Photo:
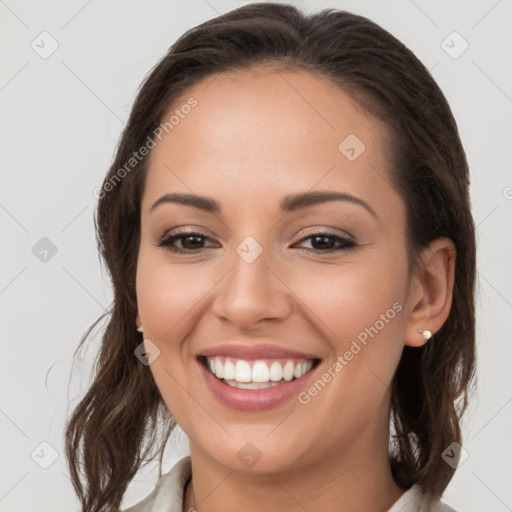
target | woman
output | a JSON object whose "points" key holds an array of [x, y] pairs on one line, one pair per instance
{"points": [[288, 230]]}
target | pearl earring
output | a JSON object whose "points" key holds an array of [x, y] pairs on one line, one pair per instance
{"points": [[426, 334], [139, 329]]}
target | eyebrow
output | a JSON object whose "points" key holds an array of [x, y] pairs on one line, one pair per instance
{"points": [[289, 203]]}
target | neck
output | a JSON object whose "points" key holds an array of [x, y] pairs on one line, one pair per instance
{"points": [[357, 480]]}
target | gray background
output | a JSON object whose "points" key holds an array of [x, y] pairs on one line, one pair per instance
{"points": [[61, 120]]}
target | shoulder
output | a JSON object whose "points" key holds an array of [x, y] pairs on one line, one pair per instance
{"points": [[167, 496], [416, 500]]}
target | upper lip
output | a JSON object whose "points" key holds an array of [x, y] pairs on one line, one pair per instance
{"points": [[250, 352]]}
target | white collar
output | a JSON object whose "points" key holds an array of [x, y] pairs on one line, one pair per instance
{"points": [[168, 494]]}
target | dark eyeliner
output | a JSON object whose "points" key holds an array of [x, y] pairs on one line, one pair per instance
{"points": [[166, 242], [345, 243]]}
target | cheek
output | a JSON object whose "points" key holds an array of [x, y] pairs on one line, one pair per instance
{"points": [[166, 295], [346, 299], [357, 309]]}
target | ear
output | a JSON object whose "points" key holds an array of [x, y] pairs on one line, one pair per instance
{"points": [[430, 292], [138, 323]]}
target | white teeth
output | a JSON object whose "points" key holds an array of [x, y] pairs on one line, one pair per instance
{"points": [[260, 372], [288, 371], [242, 371], [276, 372], [251, 385], [219, 372], [229, 370], [238, 371]]}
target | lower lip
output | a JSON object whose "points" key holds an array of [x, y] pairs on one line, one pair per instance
{"points": [[253, 399]]}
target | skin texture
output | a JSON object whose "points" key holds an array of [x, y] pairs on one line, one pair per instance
{"points": [[253, 138]]}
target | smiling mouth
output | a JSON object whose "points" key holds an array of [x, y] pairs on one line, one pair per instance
{"points": [[258, 373]]}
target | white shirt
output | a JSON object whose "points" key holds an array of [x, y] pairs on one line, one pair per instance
{"points": [[167, 496]]}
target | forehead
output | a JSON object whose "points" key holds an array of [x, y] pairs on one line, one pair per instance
{"points": [[265, 133]]}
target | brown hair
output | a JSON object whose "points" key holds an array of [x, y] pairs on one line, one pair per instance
{"points": [[113, 428]]}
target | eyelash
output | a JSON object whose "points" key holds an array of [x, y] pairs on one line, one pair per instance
{"points": [[167, 241]]}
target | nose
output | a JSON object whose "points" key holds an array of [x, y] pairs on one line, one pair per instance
{"points": [[252, 294]]}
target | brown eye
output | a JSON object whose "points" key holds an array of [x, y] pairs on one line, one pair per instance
{"points": [[326, 242], [190, 242]]}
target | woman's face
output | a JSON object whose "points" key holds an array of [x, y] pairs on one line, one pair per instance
{"points": [[257, 290]]}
